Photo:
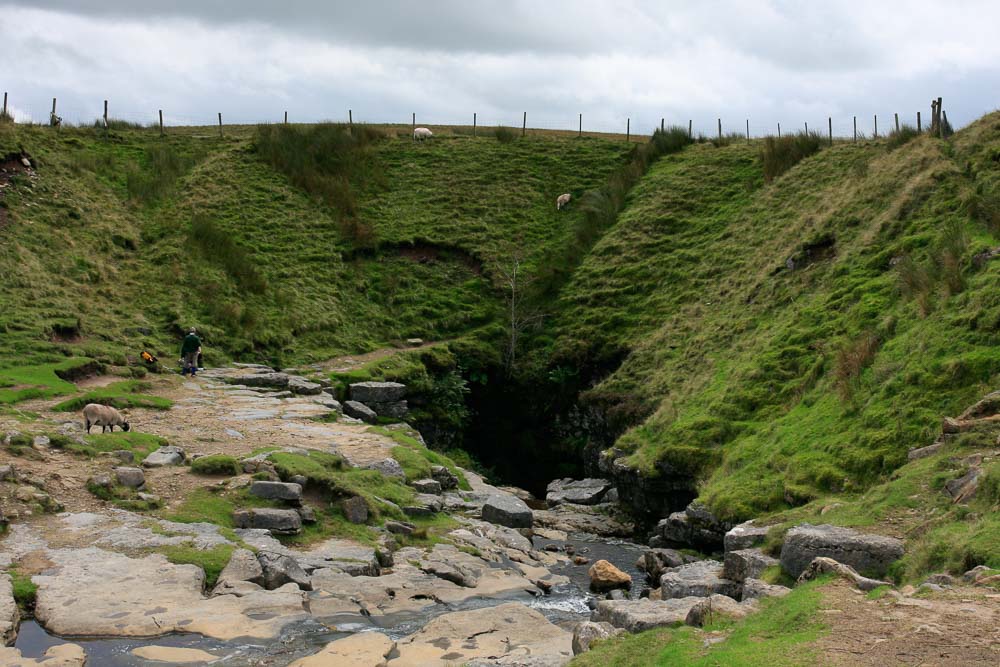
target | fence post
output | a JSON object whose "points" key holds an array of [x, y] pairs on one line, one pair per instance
{"points": [[689, 129], [875, 136], [220, 123], [286, 118], [628, 129], [918, 122], [105, 114], [807, 127], [524, 123], [897, 122], [473, 123], [661, 124], [5, 103], [414, 121], [161, 122], [940, 123], [779, 130], [580, 131], [829, 120], [855, 129], [720, 130], [748, 130], [350, 118]]}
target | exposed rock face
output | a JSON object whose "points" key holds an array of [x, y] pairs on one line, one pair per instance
{"points": [[604, 576], [63, 655], [377, 392], [823, 565], [865, 553], [9, 615], [360, 411], [424, 504], [355, 509], [587, 632], [281, 522], [427, 486], [745, 536], [696, 527], [639, 615], [444, 477], [656, 562], [572, 518], [269, 380], [647, 496], [394, 410], [279, 569], [130, 477], [709, 608], [164, 456], [507, 510], [364, 649], [964, 488], [581, 492], [755, 589], [243, 567], [303, 387], [173, 655], [746, 564], [700, 579], [388, 467], [277, 490]]}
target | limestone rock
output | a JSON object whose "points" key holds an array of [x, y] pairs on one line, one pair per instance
{"points": [[303, 387], [276, 490], [745, 564], [168, 455], [393, 410], [130, 477], [427, 486], [586, 632], [656, 562], [709, 608], [360, 411], [745, 536], [822, 565], [645, 614], [964, 488], [865, 553], [243, 566], [174, 655], [388, 467], [444, 477], [580, 492], [363, 649], [696, 526], [61, 655], [279, 569], [604, 576], [755, 589], [507, 510], [701, 579], [355, 509], [279, 521], [9, 615], [377, 392], [270, 380], [400, 527]]}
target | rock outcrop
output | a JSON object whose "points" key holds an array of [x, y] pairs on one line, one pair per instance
{"points": [[699, 579], [507, 510], [639, 615], [587, 632], [580, 492], [870, 554]]}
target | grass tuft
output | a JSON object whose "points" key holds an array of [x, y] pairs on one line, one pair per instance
{"points": [[216, 464], [779, 154]]}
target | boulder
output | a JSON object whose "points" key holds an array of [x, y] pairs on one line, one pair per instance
{"points": [[580, 492], [755, 589], [964, 488], [279, 569], [268, 380], [164, 456], [645, 614], [822, 565], [745, 564], [700, 579], [394, 410], [400, 527], [508, 510], [745, 536], [277, 490], [587, 632], [124, 455], [427, 486], [388, 467], [100, 480], [360, 411], [444, 477], [278, 521], [865, 553], [130, 477], [243, 566], [303, 387], [696, 527], [355, 509], [604, 576], [306, 513], [708, 609], [655, 562], [362, 649], [377, 392], [424, 504]]}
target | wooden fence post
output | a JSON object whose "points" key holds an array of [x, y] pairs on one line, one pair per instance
{"points": [[161, 122], [350, 118], [220, 123], [413, 121], [875, 136], [474, 123], [720, 130], [855, 129], [524, 123], [105, 114], [897, 122], [286, 118], [779, 130], [829, 121], [918, 122], [689, 129], [748, 130], [5, 103], [580, 130], [940, 117], [807, 127], [628, 129], [661, 124]]}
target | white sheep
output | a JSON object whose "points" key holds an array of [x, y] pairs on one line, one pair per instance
{"points": [[422, 133], [562, 200], [105, 416]]}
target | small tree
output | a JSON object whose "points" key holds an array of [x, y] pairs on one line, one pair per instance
{"points": [[520, 314]]}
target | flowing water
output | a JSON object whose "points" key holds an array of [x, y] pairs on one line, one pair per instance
{"points": [[565, 605]]}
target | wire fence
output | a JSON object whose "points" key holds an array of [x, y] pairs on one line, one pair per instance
{"points": [[840, 128]]}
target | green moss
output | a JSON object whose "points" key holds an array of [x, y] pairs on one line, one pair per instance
{"points": [[21, 383], [216, 464], [121, 395], [212, 561], [416, 459], [25, 590], [140, 444]]}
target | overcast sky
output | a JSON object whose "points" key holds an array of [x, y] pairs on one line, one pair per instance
{"points": [[773, 61]]}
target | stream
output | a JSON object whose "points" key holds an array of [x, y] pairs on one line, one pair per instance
{"points": [[565, 605]]}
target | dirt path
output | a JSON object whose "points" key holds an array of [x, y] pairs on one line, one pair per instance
{"points": [[957, 626]]}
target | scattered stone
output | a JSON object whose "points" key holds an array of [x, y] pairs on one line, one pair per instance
{"points": [[507, 510], [700, 579], [150, 498], [427, 486], [987, 406], [124, 455], [40, 442], [133, 478], [617, 594], [864, 553], [307, 514], [586, 632], [580, 560], [173, 655], [362, 649], [705, 611], [279, 569], [377, 392], [424, 504], [746, 564], [964, 488], [755, 589], [278, 521], [8, 473], [823, 565], [355, 509], [388, 467], [400, 527], [580, 492], [645, 614], [604, 576], [277, 490], [745, 536], [101, 481], [360, 411], [923, 452], [941, 579], [414, 342], [164, 456], [233, 433], [975, 574], [444, 477], [303, 387], [243, 566]]}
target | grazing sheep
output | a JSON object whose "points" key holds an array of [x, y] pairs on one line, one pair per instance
{"points": [[104, 416], [422, 133], [562, 200]]}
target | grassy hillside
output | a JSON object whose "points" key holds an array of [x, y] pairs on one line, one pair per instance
{"points": [[787, 341]]}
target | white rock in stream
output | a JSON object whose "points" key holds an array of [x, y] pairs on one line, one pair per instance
{"points": [[63, 655]]}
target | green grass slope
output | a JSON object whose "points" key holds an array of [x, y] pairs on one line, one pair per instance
{"points": [[786, 341]]}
